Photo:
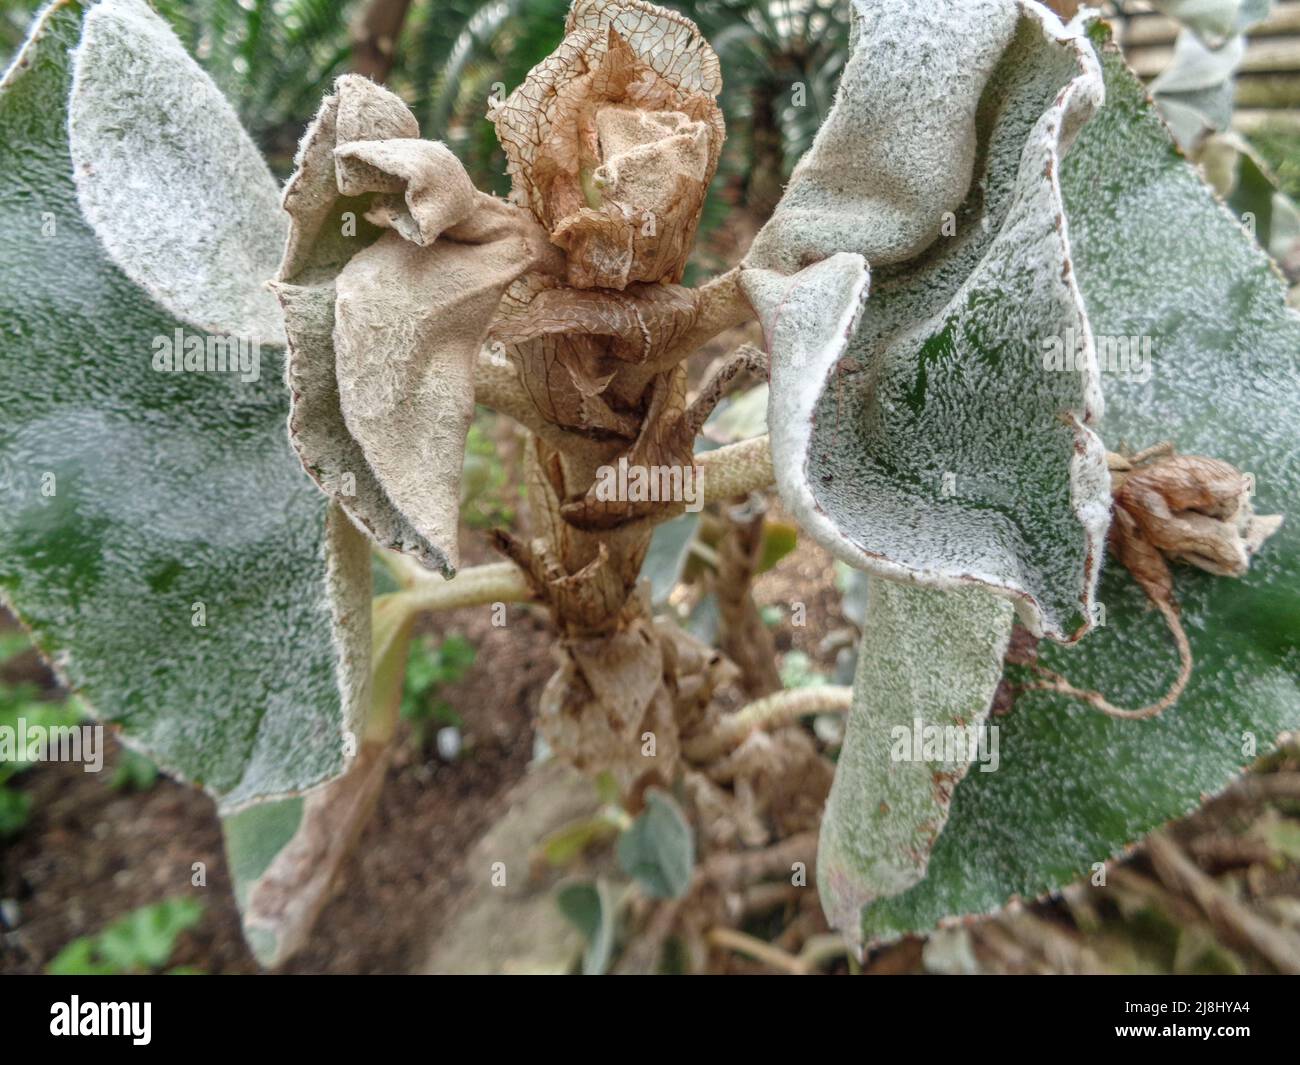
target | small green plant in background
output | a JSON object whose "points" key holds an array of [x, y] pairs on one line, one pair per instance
{"points": [[798, 670], [134, 772], [486, 496], [23, 702], [141, 942], [429, 668]]}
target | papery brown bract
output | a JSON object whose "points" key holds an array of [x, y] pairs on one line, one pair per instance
{"points": [[613, 139]]}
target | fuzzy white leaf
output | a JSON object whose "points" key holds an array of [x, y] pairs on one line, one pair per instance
{"points": [[174, 188], [929, 665], [936, 443]]}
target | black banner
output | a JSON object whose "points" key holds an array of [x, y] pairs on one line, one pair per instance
{"points": [[231, 1015]]}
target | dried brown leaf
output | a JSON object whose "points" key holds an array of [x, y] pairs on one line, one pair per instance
{"points": [[571, 346], [384, 328]]}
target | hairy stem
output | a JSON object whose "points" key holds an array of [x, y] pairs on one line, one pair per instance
{"points": [[495, 582], [772, 711], [737, 469]]}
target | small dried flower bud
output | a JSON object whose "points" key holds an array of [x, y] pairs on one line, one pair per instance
{"points": [[1140, 557], [613, 139], [1173, 506], [1195, 509]]}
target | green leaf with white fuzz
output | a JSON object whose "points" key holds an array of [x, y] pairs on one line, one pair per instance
{"points": [[156, 533], [658, 850], [1157, 257], [285, 856], [916, 434], [929, 665]]}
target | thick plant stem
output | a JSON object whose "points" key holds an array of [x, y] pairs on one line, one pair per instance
{"points": [[772, 711], [727, 472], [497, 386], [742, 635]]}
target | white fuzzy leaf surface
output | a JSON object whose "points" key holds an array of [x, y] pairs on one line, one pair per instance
{"points": [[932, 442], [172, 185], [930, 661]]}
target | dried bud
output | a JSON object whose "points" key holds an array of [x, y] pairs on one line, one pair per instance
{"points": [[1195, 509], [1181, 506], [613, 139]]}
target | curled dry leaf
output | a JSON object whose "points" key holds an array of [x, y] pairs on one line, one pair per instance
{"points": [[921, 434], [607, 701], [618, 704], [285, 856], [394, 267], [612, 141], [656, 476]]}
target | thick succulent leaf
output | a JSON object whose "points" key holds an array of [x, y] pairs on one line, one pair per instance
{"points": [[156, 533], [173, 187], [928, 444], [1158, 257], [890, 158], [929, 665]]}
